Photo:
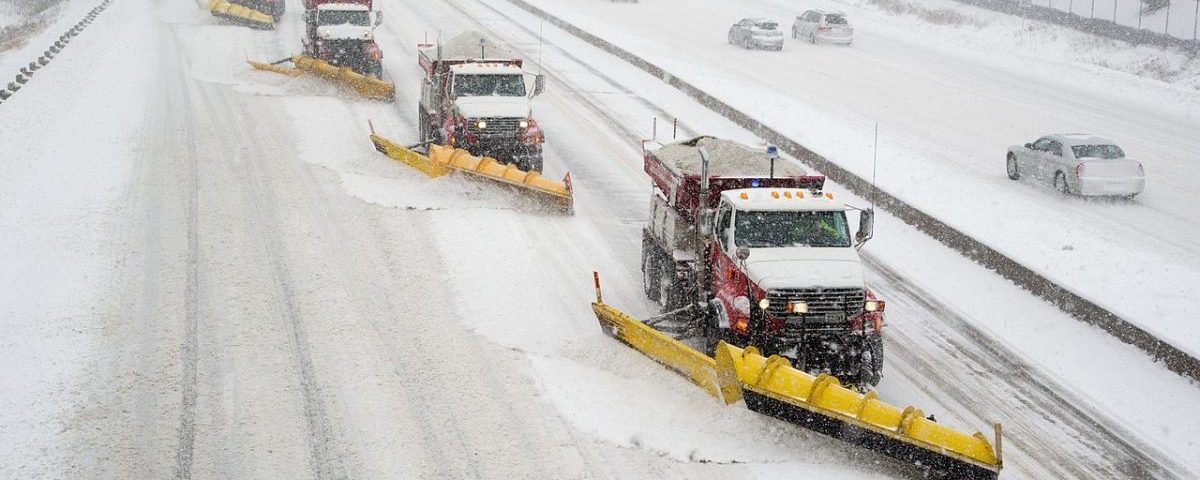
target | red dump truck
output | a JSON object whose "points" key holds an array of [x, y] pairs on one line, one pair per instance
{"points": [[342, 33], [746, 248], [477, 96]]}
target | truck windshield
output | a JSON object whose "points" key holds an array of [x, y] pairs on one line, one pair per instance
{"points": [[489, 86], [338, 17], [759, 229]]}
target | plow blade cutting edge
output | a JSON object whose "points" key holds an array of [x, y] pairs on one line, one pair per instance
{"points": [[771, 386], [239, 13], [443, 160], [365, 85]]}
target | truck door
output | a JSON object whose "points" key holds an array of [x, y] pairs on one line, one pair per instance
{"points": [[726, 275]]}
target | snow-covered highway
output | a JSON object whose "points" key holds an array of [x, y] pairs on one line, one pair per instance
{"points": [[214, 275]]}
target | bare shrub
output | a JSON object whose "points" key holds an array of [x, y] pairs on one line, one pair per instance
{"points": [[936, 16]]}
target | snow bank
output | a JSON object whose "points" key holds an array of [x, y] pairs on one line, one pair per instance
{"points": [[63, 182]]}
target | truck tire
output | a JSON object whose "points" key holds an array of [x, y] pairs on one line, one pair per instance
{"points": [[871, 364], [530, 159], [650, 276]]}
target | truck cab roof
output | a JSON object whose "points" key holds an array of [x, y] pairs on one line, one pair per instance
{"points": [[780, 199]]}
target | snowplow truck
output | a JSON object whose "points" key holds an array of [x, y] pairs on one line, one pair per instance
{"points": [[342, 33], [476, 96], [748, 249]]}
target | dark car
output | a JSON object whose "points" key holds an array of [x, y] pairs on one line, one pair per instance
{"points": [[756, 33]]}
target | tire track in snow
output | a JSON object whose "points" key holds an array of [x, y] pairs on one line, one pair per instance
{"points": [[263, 206], [187, 420], [260, 206]]}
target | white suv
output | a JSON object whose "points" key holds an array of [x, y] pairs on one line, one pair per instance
{"points": [[822, 26]]}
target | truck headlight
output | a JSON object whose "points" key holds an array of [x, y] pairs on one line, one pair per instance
{"points": [[873, 305], [798, 307], [524, 124], [764, 303], [482, 124]]}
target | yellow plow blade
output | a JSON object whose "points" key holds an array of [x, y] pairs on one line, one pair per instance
{"points": [[671, 353], [270, 67], [771, 386], [443, 160], [407, 156], [365, 85], [232, 11]]}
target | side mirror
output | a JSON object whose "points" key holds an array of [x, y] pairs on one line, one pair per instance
{"points": [[1029, 146], [378, 18], [866, 227], [743, 253], [539, 84]]}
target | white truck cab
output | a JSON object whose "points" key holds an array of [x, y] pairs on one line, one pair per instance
{"points": [[490, 90], [346, 21], [793, 238]]}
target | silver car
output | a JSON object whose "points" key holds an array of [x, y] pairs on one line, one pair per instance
{"points": [[1079, 164], [756, 33], [824, 27]]}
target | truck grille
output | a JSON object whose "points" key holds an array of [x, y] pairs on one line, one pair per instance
{"points": [[826, 306], [345, 49], [497, 127]]}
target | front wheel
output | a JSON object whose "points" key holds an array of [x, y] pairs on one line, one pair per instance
{"points": [[794, 35], [1060, 184], [529, 159], [812, 38], [1013, 174], [871, 368]]}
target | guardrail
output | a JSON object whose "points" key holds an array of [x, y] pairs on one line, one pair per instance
{"points": [[1069, 302], [26, 73]]}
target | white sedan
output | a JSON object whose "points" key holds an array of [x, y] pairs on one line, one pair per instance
{"points": [[1077, 163], [824, 27]]}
